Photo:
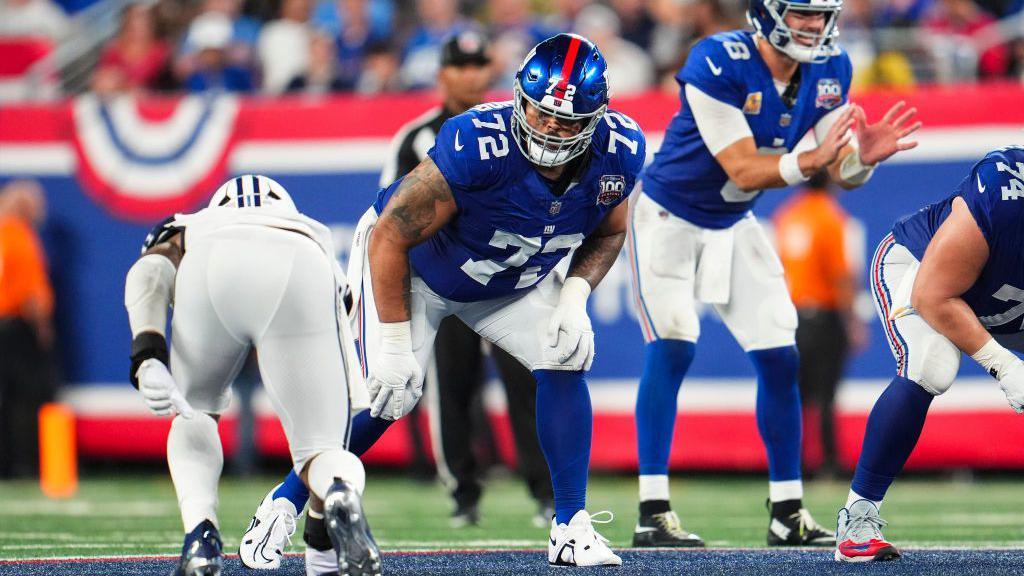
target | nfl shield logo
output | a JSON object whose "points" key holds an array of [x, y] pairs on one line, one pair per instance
{"points": [[830, 94], [612, 188], [555, 208]]}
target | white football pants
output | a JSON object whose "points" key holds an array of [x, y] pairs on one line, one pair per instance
{"points": [[256, 286]]}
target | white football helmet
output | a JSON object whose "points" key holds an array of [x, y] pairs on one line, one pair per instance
{"points": [[252, 191]]}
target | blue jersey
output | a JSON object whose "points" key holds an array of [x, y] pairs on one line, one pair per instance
{"points": [[684, 177], [994, 193], [511, 229]]}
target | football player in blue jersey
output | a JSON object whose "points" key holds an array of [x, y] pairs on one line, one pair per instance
{"points": [[478, 230], [760, 109], [947, 279]]}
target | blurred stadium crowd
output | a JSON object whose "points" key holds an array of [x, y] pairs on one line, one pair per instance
{"points": [[49, 48]]}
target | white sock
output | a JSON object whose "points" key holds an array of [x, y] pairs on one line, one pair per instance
{"points": [[853, 497], [326, 466], [786, 490], [195, 459], [653, 487]]}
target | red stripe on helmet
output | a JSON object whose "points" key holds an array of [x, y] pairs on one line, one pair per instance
{"points": [[570, 61]]}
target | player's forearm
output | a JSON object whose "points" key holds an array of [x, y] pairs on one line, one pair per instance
{"points": [[954, 319], [389, 270], [596, 256]]}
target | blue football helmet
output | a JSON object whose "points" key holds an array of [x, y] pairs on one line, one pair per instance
{"points": [[768, 19], [564, 76]]}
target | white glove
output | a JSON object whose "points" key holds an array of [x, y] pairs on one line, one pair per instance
{"points": [[395, 381], [159, 390], [1012, 383], [1005, 367], [569, 331]]}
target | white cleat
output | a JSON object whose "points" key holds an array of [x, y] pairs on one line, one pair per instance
{"points": [[578, 544], [321, 562], [269, 534]]}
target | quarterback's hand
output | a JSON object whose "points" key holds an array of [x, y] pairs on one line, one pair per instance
{"points": [[881, 140], [838, 135], [569, 331], [159, 390], [394, 369], [1012, 383]]}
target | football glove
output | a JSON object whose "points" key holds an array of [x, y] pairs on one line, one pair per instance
{"points": [[395, 381], [159, 390], [569, 330]]}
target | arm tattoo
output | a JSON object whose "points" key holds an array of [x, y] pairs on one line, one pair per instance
{"points": [[412, 207], [595, 257]]}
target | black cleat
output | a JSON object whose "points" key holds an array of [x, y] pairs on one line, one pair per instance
{"points": [[201, 555], [465, 515], [663, 530], [799, 529], [358, 554]]}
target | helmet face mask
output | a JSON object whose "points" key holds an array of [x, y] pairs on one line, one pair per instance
{"points": [[768, 17], [574, 92]]}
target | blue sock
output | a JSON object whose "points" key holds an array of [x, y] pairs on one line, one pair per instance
{"points": [[893, 428], [665, 365], [365, 432], [293, 490], [564, 425], [778, 410]]}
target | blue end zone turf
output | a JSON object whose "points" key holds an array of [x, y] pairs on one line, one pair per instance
{"points": [[974, 562]]}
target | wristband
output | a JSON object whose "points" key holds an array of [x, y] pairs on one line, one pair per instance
{"points": [[145, 346], [853, 172], [789, 169]]}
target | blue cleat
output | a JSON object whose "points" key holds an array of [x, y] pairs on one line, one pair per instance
{"points": [[201, 554], [358, 554]]}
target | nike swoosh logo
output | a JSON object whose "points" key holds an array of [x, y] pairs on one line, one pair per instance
{"points": [[458, 146], [644, 530], [714, 69], [980, 187]]}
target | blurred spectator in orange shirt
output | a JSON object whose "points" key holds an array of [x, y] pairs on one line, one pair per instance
{"points": [[811, 228], [136, 58], [26, 329]]}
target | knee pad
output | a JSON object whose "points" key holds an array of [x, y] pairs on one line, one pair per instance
{"points": [[933, 363], [341, 464]]}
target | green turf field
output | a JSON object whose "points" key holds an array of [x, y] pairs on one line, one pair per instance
{"points": [[138, 514]]}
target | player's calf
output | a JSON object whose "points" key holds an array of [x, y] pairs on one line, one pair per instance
{"points": [[201, 554], [859, 535]]}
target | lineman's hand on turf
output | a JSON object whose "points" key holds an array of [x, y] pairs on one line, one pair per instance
{"points": [[393, 372], [569, 331], [1012, 384], [159, 390]]}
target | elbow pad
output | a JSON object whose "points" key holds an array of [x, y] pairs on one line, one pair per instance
{"points": [[147, 293]]}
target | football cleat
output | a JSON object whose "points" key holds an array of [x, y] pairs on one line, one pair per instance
{"points": [[859, 535], [663, 530], [465, 515], [269, 534], [201, 555], [798, 529], [578, 544], [350, 535]]}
